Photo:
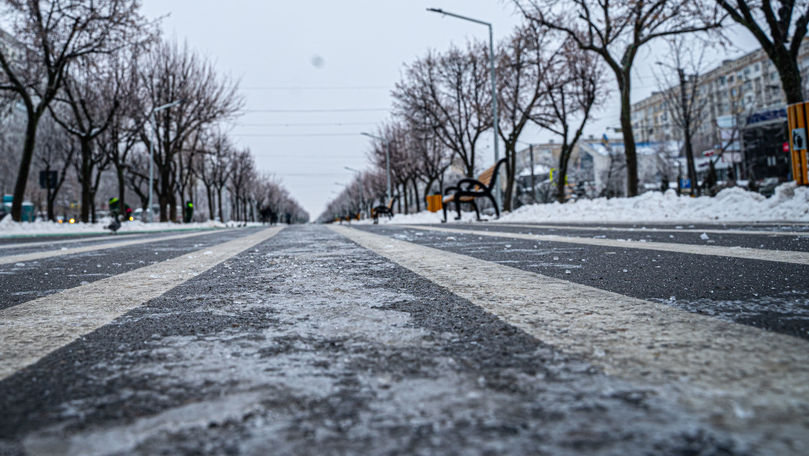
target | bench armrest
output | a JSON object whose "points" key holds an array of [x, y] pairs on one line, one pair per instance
{"points": [[470, 183]]}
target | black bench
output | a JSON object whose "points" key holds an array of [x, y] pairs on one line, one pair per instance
{"points": [[383, 210], [466, 190]]}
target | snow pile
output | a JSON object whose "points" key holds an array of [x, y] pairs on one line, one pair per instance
{"points": [[11, 228], [789, 203]]}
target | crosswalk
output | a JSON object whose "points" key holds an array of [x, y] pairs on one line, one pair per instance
{"points": [[747, 375], [41, 255], [35, 328], [781, 256], [742, 376]]}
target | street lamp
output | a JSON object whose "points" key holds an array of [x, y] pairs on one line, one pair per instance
{"points": [[151, 152], [387, 160], [493, 80], [355, 171]]}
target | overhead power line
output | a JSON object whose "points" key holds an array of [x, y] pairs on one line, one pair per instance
{"points": [[320, 110], [315, 88], [305, 124], [292, 135]]}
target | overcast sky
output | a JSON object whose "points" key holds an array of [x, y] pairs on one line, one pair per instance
{"points": [[322, 55]]}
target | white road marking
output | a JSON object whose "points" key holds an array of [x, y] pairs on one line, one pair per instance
{"points": [[33, 329], [739, 375], [780, 256], [661, 230], [21, 245], [22, 258]]}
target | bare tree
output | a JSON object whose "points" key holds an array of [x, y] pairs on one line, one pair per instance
{"points": [[55, 151], [123, 134], [616, 31], [241, 176], [575, 86], [89, 96], [53, 35], [681, 95], [780, 28], [523, 62], [174, 73], [450, 92]]}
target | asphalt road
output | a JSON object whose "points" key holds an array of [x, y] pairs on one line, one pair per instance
{"points": [[408, 340]]}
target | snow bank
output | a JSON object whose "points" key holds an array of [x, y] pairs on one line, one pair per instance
{"points": [[789, 203], [11, 228]]}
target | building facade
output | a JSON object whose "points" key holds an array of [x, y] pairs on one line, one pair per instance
{"points": [[743, 113]]}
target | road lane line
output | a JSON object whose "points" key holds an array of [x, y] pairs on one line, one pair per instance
{"points": [[659, 230], [780, 256], [35, 328], [22, 258], [22, 245], [744, 375]]}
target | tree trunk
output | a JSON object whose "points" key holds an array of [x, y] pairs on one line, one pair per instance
{"points": [[172, 207], [25, 166], [119, 172], [790, 75], [511, 169], [562, 174], [630, 151], [416, 194], [219, 203], [86, 171], [405, 195], [209, 194], [163, 194]]}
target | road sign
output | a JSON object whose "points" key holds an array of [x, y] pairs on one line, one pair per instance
{"points": [[797, 117], [47, 179], [799, 139]]}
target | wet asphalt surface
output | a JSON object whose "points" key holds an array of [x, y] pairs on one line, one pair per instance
{"points": [[679, 234], [309, 341], [310, 344], [26, 280], [764, 294]]}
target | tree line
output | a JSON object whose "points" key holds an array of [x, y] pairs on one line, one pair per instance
{"points": [[91, 91], [553, 71]]}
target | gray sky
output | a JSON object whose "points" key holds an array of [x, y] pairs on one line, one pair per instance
{"points": [[335, 55]]}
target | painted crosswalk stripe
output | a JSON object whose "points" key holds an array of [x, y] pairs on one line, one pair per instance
{"points": [[22, 258], [33, 329], [780, 256], [661, 230], [744, 375]]}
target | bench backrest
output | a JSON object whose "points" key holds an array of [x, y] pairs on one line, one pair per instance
{"points": [[486, 176]]}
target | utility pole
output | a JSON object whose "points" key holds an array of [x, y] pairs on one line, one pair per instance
{"points": [[533, 178], [493, 76]]}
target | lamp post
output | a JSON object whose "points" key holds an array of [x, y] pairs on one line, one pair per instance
{"points": [[387, 160], [497, 196], [151, 152]]}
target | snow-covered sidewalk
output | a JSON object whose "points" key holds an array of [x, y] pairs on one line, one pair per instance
{"points": [[789, 204], [10, 228]]}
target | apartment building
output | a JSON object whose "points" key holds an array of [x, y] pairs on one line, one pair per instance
{"points": [[743, 110]]}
